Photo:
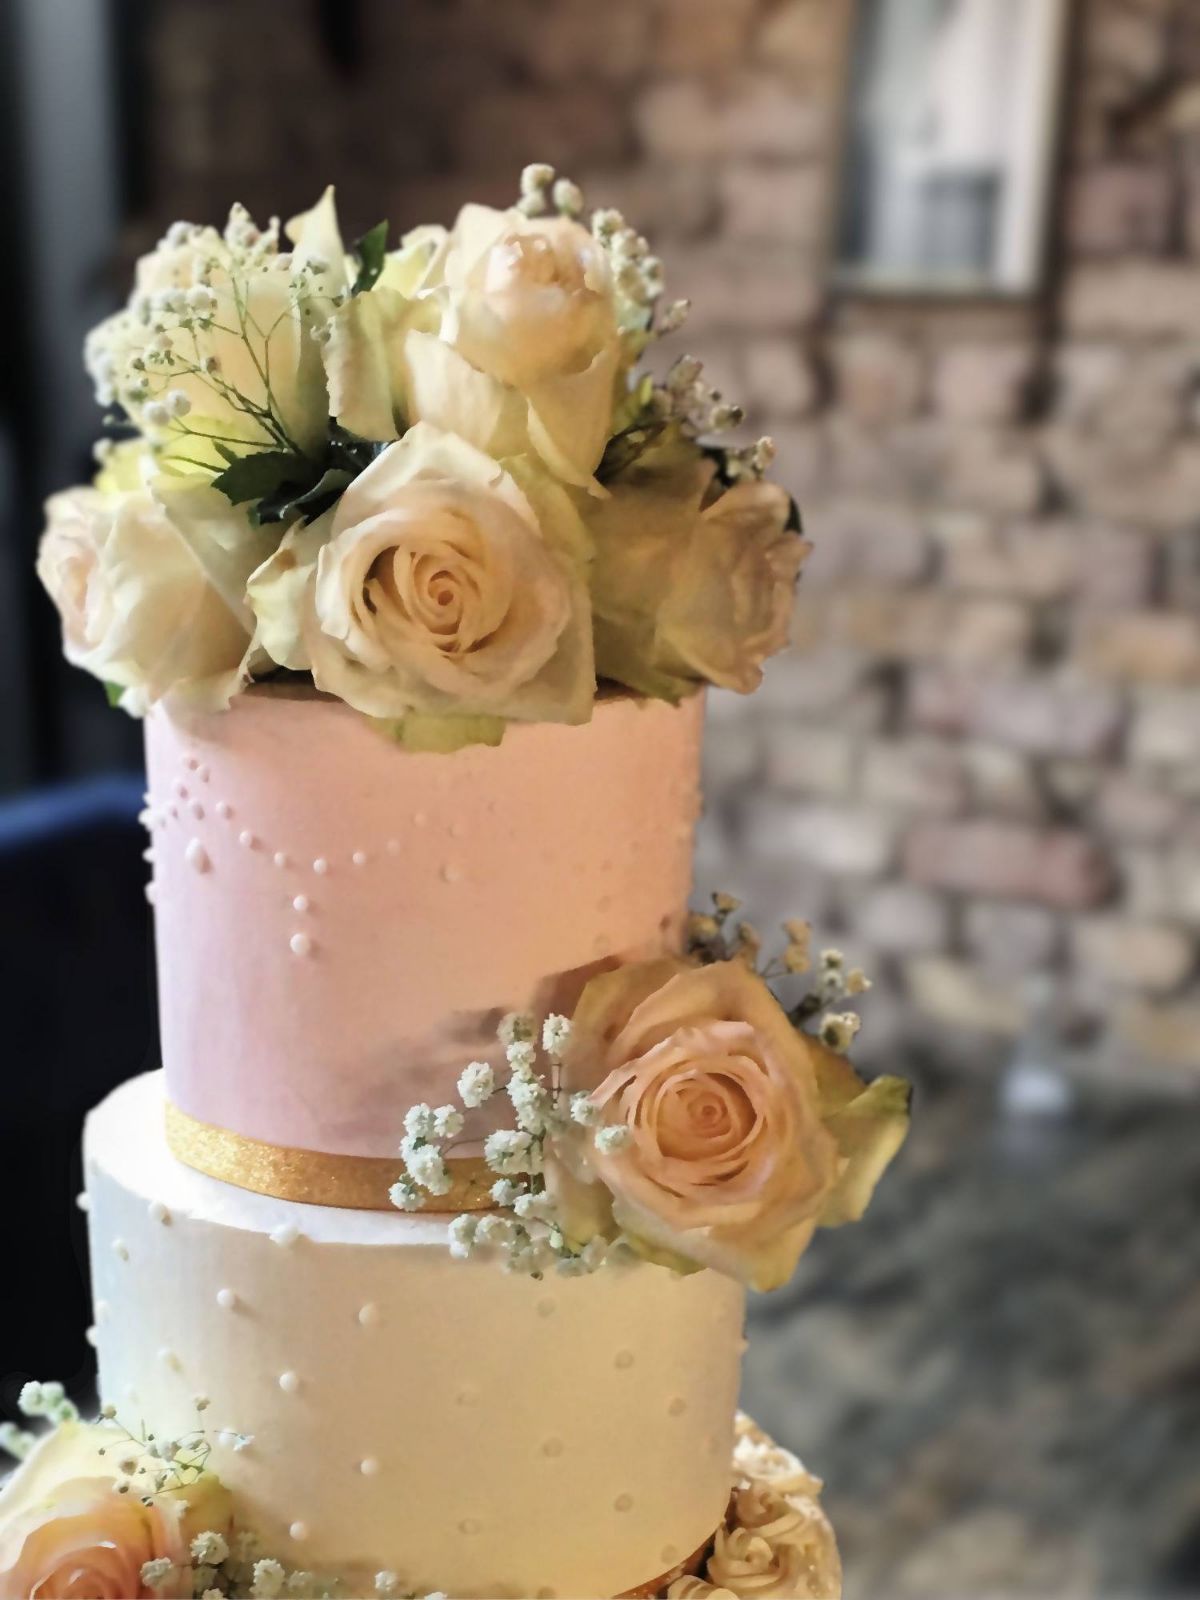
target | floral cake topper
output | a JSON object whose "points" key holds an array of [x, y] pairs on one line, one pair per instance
{"points": [[434, 480]]}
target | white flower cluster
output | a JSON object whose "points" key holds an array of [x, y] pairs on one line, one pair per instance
{"points": [[159, 360], [524, 1228], [48, 1400]]}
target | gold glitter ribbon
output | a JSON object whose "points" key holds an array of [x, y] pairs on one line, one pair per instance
{"points": [[314, 1177]]}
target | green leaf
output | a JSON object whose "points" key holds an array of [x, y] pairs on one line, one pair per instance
{"points": [[262, 473], [443, 735], [113, 693], [307, 504], [371, 251], [868, 1131]]}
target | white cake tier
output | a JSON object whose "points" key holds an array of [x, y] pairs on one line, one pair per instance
{"points": [[472, 1431], [342, 923]]}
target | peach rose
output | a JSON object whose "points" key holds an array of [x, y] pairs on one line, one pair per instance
{"points": [[726, 1161], [67, 1533]]}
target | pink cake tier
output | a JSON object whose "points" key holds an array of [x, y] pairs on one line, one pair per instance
{"points": [[341, 923]]}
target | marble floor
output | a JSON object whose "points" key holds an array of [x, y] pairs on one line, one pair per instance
{"points": [[998, 1371]]}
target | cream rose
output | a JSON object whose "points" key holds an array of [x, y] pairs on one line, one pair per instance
{"points": [[437, 586], [800, 1547], [776, 1550], [728, 1164], [150, 588], [66, 1533], [245, 321], [504, 331], [690, 584]]}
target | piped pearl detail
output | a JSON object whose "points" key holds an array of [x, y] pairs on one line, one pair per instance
{"points": [[168, 1357], [281, 858], [299, 1531], [120, 1249], [624, 1360], [368, 1315], [369, 1466], [470, 1525], [289, 1382], [248, 840], [227, 1299], [300, 944], [91, 1336], [83, 1200], [197, 856], [102, 1310], [151, 894], [320, 866], [623, 1502], [677, 1406], [285, 1234], [300, 903], [158, 1212], [197, 810], [224, 810], [359, 858], [451, 873], [419, 819]]}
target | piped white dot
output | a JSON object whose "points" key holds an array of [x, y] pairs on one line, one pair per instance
{"points": [[359, 858], [120, 1249], [158, 1212], [224, 810], [248, 840], [300, 944], [677, 1406], [300, 903], [320, 866], [227, 1299], [299, 1531], [181, 790], [103, 1310], [91, 1336], [151, 893], [190, 762], [623, 1502], [369, 1466], [624, 1360], [197, 810], [289, 1382], [451, 873], [368, 1315], [83, 1200], [168, 1358], [419, 819], [196, 856], [203, 774], [281, 858], [285, 1235]]}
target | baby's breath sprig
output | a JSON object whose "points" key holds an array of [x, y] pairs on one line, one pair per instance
{"points": [[718, 935], [524, 1228]]}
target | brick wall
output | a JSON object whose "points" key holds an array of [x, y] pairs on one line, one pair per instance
{"points": [[982, 761]]}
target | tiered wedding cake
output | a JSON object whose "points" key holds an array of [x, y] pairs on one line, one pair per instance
{"points": [[421, 1264]]}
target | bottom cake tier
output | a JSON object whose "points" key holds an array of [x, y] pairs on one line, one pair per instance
{"points": [[374, 1404]]}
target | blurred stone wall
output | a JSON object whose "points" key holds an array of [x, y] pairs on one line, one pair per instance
{"points": [[982, 761]]}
